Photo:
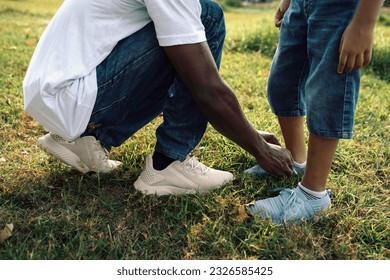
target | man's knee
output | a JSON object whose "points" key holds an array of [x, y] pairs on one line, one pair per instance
{"points": [[211, 6], [212, 10]]}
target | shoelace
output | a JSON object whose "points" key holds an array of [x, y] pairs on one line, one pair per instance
{"points": [[193, 163], [291, 200]]}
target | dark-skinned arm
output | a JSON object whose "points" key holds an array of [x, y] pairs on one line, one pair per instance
{"points": [[217, 101]]}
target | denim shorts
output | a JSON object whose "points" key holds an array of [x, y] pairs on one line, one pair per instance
{"points": [[303, 78]]}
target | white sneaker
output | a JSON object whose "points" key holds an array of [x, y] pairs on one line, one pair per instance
{"points": [[290, 205], [189, 176], [84, 154]]}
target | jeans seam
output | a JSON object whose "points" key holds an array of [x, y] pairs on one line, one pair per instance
{"points": [[307, 8], [345, 94], [300, 84], [109, 106]]}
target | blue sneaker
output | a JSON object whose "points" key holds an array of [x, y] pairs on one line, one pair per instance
{"points": [[257, 171], [290, 205]]}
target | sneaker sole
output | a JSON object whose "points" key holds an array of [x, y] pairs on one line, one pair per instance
{"points": [[167, 190], [49, 145]]}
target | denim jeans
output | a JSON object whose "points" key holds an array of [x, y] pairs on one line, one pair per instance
{"points": [[137, 82], [303, 78]]}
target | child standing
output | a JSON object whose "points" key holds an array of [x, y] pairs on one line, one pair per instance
{"points": [[315, 73]]}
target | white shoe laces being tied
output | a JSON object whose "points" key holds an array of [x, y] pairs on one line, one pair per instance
{"points": [[192, 163]]}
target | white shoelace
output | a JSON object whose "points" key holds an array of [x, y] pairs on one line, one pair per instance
{"points": [[291, 200], [193, 163]]}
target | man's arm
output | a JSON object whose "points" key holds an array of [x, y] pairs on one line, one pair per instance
{"points": [[195, 65], [357, 40]]}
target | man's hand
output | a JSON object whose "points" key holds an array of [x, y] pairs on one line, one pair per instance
{"points": [[355, 48], [277, 161], [269, 137], [283, 6], [217, 101]]}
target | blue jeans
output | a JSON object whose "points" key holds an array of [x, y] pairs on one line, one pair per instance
{"points": [[303, 78], [137, 82]]}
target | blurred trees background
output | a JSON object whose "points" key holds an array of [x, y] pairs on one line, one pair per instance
{"points": [[238, 3]]}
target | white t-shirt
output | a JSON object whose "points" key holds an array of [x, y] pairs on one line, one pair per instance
{"points": [[60, 85]]}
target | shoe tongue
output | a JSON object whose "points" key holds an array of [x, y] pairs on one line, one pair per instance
{"points": [[190, 159]]}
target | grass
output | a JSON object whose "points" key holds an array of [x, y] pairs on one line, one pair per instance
{"points": [[61, 214]]}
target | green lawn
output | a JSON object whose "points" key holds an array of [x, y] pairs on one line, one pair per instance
{"points": [[58, 213]]}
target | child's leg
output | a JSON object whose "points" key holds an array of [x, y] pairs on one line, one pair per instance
{"points": [[329, 102], [320, 152], [319, 160], [286, 83], [294, 136]]}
